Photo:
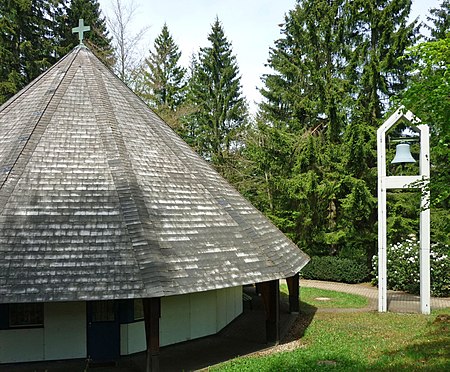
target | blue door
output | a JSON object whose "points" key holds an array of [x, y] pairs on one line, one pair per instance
{"points": [[103, 333]]}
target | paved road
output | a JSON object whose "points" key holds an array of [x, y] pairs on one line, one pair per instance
{"points": [[400, 302]]}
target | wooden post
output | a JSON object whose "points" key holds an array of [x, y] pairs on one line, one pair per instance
{"points": [[293, 284], [152, 313], [270, 292], [386, 182]]}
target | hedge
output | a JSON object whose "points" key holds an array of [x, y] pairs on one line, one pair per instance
{"points": [[335, 269]]}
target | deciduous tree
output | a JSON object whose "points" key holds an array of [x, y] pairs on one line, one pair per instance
{"points": [[428, 96], [124, 40]]}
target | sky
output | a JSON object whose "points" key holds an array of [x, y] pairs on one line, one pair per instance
{"points": [[251, 26]]}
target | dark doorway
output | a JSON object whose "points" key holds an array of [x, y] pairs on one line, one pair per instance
{"points": [[103, 332]]}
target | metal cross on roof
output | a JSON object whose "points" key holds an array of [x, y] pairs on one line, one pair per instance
{"points": [[81, 29]]}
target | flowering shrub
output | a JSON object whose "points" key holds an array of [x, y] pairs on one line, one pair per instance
{"points": [[403, 266]]}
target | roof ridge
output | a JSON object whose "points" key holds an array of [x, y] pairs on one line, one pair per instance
{"points": [[34, 82], [25, 152], [218, 197], [105, 201], [132, 205]]}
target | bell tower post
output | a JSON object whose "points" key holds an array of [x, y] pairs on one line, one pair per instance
{"points": [[400, 182]]}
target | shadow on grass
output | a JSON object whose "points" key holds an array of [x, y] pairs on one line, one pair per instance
{"points": [[302, 321], [287, 362], [430, 355], [244, 335]]}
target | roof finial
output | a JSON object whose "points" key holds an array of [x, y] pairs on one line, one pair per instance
{"points": [[81, 29]]}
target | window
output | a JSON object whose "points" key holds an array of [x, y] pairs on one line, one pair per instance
{"points": [[138, 309], [26, 315]]}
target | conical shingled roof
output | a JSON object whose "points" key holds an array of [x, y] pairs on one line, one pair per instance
{"points": [[100, 199]]}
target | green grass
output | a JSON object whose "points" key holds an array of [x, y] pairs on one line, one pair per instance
{"points": [[313, 296], [367, 341]]}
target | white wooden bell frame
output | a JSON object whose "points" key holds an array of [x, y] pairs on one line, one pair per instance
{"points": [[400, 182]]}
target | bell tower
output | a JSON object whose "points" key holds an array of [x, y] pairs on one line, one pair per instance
{"points": [[403, 155]]}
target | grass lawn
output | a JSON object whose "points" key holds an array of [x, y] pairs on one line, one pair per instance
{"points": [[359, 341], [324, 298]]}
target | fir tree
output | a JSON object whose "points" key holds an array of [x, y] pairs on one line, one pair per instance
{"points": [[335, 68], [440, 19], [98, 39], [164, 85], [381, 35], [25, 43], [215, 91]]}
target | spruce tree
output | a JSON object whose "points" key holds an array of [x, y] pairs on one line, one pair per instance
{"points": [[308, 89], [440, 19], [35, 34], [335, 68], [304, 113], [97, 39], [215, 91], [381, 36], [164, 79], [25, 43]]}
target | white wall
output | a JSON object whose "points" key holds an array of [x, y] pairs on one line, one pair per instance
{"points": [[62, 337], [195, 315], [132, 338], [21, 345], [175, 322], [65, 330], [186, 317]]}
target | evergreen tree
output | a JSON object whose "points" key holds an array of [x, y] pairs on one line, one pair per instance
{"points": [[25, 43], [381, 35], [309, 87], [335, 68], [97, 39], [307, 100], [440, 19], [215, 91], [164, 78], [35, 34], [379, 73]]}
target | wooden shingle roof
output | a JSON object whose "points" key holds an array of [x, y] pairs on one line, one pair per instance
{"points": [[100, 199]]}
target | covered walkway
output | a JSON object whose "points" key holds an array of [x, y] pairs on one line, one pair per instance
{"points": [[243, 336]]}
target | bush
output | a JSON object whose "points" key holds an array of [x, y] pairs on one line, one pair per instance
{"points": [[336, 269], [404, 268]]}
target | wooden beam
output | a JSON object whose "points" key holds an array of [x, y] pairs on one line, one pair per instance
{"points": [[152, 313], [293, 284], [270, 292]]}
